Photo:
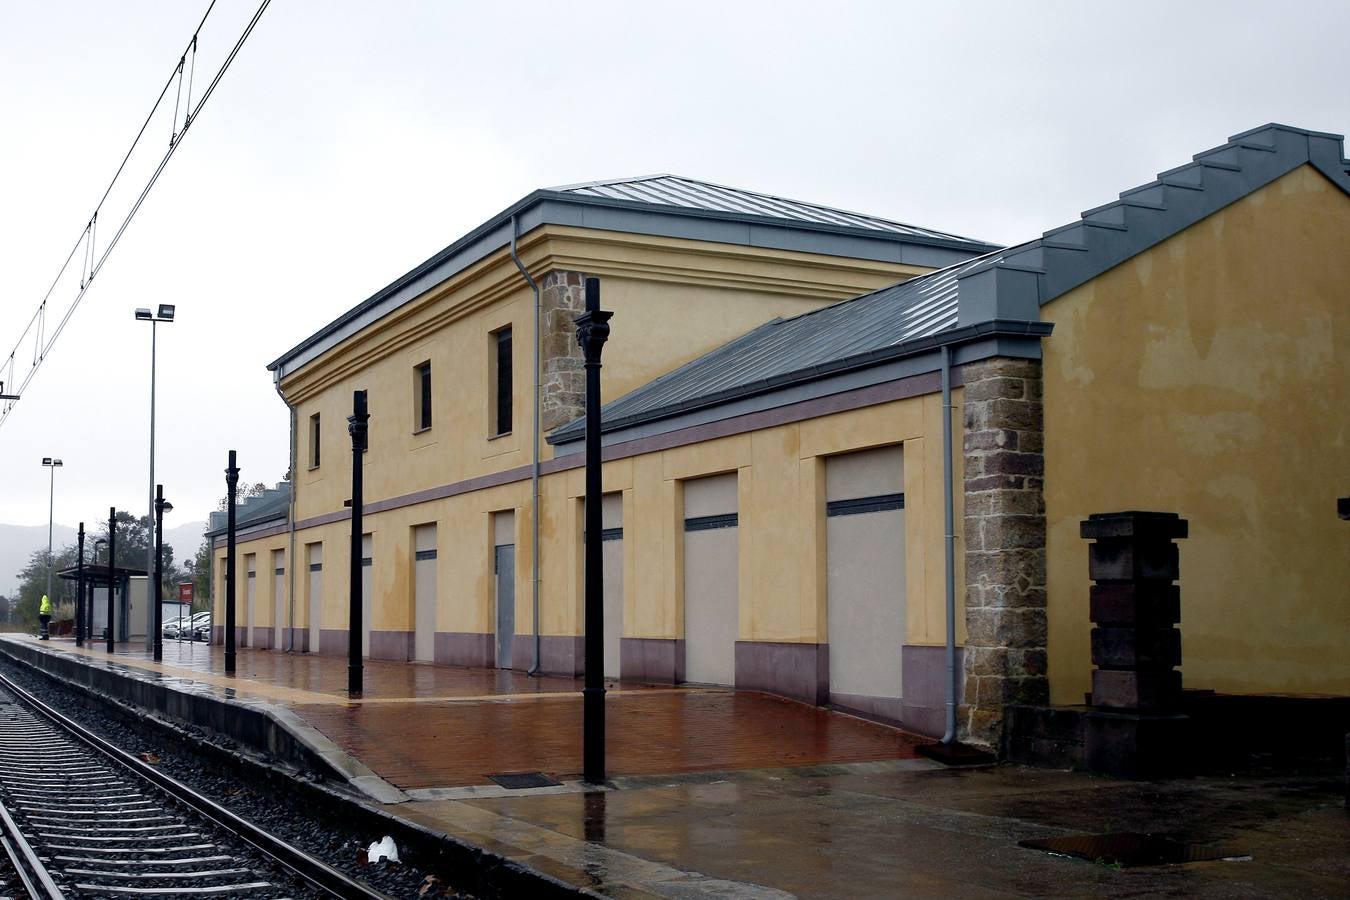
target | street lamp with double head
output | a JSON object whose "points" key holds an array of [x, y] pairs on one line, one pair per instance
{"points": [[163, 314]]}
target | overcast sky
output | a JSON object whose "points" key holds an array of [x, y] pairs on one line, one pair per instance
{"points": [[352, 140]]}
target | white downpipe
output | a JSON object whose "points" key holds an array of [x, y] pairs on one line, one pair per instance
{"points": [[949, 529]]}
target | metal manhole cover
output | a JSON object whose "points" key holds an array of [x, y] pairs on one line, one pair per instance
{"points": [[517, 780], [1128, 848]]}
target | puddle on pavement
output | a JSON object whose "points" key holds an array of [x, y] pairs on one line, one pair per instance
{"points": [[1128, 849]]}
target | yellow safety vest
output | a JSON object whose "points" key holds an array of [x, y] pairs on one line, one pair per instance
{"points": [[45, 607]]}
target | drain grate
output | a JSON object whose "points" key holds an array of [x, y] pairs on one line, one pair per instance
{"points": [[1127, 848], [518, 780]]}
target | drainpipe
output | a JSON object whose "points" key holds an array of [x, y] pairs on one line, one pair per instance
{"points": [[534, 457], [950, 539], [290, 527]]}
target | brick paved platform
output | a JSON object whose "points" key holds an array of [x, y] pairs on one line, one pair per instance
{"points": [[421, 726]]}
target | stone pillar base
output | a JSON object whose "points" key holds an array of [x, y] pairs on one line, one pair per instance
{"points": [[1137, 745]]}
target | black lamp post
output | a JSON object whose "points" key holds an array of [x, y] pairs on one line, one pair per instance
{"points": [[592, 332], [161, 507], [79, 588], [231, 483], [112, 558], [359, 428]]}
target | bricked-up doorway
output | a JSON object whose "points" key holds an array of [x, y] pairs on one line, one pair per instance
{"points": [[251, 605], [611, 513], [504, 595], [711, 580], [865, 546], [314, 563], [367, 588], [424, 592], [278, 598]]}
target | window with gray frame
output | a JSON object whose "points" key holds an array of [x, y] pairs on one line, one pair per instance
{"points": [[314, 441], [501, 375], [422, 388]]}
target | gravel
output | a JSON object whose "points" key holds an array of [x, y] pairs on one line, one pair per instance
{"points": [[276, 805]]}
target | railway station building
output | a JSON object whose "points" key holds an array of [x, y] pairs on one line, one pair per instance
{"points": [[775, 487]]}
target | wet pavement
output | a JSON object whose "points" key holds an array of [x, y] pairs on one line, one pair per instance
{"points": [[812, 804], [875, 832]]}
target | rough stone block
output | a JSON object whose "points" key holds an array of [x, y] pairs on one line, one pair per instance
{"points": [[1133, 745], [1127, 560], [1126, 689], [1143, 604], [991, 439], [1136, 648], [1147, 526], [1009, 462], [1021, 415]]}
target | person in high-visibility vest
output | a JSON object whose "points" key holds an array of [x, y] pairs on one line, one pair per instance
{"points": [[45, 616]]}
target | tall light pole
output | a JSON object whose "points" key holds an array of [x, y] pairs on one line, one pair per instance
{"points": [[52, 464], [592, 332], [163, 314]]}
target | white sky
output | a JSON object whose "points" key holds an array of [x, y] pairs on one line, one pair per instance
{"points": [[352, 140]]}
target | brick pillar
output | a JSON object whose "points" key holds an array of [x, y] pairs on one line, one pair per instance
{"points": [[1005, 659], [561, 376]]}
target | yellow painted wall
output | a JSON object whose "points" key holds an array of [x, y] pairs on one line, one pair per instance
{"points": [[673, 301], [1208, 377], [782, 552]]}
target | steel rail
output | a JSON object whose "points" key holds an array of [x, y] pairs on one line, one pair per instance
{"points": [[34, 875], [303, 865]]}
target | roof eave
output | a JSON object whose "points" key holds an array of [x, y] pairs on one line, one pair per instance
{"points": [[538, 197]]}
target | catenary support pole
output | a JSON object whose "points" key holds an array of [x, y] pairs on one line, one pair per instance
{"points": [[592, 332], [231, 484], [358, 426], [79, 587], [112, 577]]}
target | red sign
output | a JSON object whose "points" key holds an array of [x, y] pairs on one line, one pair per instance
{"points": [[185, 591]]}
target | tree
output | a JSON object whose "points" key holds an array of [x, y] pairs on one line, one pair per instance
{"points": [[33, 583]]}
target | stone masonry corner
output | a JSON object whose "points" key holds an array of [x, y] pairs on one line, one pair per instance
{"points": [[562, 297], [1005, 654]]}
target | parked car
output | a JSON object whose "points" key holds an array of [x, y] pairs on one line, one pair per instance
{"points": [[188, 624], [201, 627]]}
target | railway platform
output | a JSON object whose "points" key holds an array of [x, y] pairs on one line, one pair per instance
{"points": [[720, 793]]}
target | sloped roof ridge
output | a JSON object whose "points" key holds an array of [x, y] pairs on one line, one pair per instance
{"points": [[1142, 216], [758, 195]]}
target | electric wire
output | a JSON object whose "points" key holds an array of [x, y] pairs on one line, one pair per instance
{"points": [[41, 348]]}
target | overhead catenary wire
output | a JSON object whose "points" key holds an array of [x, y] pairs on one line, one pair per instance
{"points": [[44, 343]]}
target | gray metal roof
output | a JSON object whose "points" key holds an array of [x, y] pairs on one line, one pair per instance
{"points": [[1004, 286], [801, 346], [666, 206], [272, 504], [674, 190]]}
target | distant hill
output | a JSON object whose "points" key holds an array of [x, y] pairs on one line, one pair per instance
{"points": [[17, 543]]}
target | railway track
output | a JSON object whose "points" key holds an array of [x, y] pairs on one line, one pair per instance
{"points": [[80, 817]]}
